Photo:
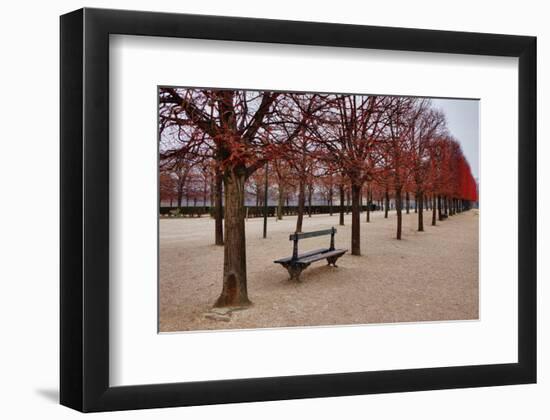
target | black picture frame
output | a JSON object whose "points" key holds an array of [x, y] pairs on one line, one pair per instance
{"points": [[84, 295]]}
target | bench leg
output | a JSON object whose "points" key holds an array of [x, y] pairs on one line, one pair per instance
{"points": [[295, 270], [332, 260]]}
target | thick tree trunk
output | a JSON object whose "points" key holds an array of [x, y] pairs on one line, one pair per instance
{"points": [[439, 212], [420, 196], [433, 210], [218, 208], [301, 202], [446, 210], [398, 206], [355, 219], [342, 199], [387, 204], [408, 202], [234, 291]]}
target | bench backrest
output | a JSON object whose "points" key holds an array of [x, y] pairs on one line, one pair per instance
{"points": [[304, 235], [297, 236]]}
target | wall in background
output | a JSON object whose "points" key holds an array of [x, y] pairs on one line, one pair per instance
{"points": [[29, 174]]}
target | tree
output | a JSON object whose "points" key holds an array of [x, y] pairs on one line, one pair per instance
{"points": [[326, 185], [297, 115], [167, 188], [217, 185], [348, 139], [302, 166], [340, 182], [283, 180], [234, 124], [454, 188], [401, 113], [204, 176], [244, 130], [426, 125], [182, 143]]}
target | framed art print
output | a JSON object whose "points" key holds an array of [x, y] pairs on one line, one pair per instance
{"points": [[258, 209]]}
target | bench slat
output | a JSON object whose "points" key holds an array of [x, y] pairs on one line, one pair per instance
{"points": [[305, 235], [322, 256], [304, 255]]}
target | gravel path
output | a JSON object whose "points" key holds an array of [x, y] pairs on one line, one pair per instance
{"points": [[427, 276]]}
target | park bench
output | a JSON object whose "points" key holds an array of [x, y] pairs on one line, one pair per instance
{"points": [[299, 262]]}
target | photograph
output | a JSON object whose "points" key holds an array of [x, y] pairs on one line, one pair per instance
{"points": [[306, 209]]}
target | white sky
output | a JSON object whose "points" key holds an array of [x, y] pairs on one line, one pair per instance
{"points": [[463, 123]]}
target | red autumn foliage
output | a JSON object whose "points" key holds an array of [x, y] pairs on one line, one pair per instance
{"points": [[357, 147]]}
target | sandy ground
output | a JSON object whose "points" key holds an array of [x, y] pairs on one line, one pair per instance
{"points": [[427, 276]]}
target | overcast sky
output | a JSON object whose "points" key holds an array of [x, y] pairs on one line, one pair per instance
{"points": [[463, 123]]}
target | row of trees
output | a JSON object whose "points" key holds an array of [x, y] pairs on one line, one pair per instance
{"points": [[193, 186], [193, 189], [378, 147]]}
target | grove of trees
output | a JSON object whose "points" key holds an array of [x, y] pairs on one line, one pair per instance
{"points": [[216, 144]]}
